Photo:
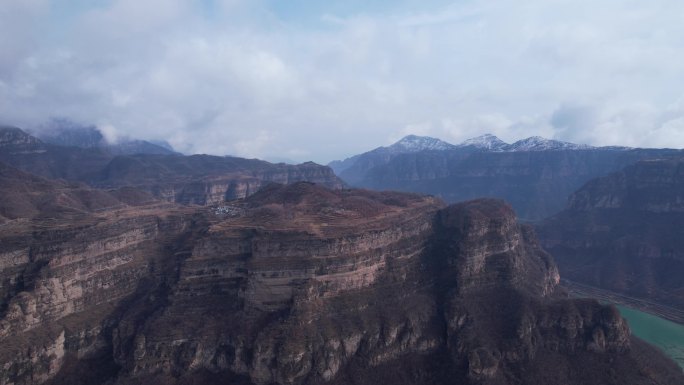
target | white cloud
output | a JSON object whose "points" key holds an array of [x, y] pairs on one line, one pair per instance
{"points": [[110, 133], [241, 78]]}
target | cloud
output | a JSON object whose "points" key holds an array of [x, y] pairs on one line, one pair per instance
{"points": [[257, 79], [574, 122]]}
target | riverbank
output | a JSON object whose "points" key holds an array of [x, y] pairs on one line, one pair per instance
{"points": [[666, 335], [583, 291]]}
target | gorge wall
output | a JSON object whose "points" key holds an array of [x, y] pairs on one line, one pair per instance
{"points": [[623, 232]]}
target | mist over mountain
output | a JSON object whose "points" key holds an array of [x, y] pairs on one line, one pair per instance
{"points": [[63, 132]]}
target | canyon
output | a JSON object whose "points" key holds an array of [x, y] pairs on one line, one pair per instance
{"points": [[172, 269], [298, 284]]}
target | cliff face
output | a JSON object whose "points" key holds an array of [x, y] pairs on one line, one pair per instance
{"points": [[536, 183], [303, 285], [62, 278], [622, 232]]}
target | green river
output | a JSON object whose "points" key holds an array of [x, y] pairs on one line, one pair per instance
{"points": [[666, 335]]}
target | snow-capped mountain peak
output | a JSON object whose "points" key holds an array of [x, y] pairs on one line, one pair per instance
{"points": [[537, 143], [414, 143], [485, 142]]}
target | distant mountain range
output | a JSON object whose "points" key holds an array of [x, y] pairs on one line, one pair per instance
{"points": [[536, 175], [66, 133], [486, 142], [196, 179]]}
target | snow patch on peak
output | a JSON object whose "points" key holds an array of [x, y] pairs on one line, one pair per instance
{"points": [[485, 142], [414, 143], [537, 143]]}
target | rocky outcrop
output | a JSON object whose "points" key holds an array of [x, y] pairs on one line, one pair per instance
{"points": [[622, 232], [300, 284]]}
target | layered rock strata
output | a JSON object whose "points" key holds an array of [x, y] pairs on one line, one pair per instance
{"points": [[300, 284], [62, 278]]}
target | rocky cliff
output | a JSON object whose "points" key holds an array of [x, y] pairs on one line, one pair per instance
{"points": [[300, 284], [623, 232]]}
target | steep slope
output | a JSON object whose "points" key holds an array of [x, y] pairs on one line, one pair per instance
{"points": [[197, 179], [300, 284], [623, 232], [535, 175]]}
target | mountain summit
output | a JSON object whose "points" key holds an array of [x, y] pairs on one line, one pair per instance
{"points": [[485, 142], [414, 143]]}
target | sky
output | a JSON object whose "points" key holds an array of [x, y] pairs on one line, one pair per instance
{"points": [[324, 80]]}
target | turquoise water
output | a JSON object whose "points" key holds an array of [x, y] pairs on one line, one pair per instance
{"points": [[666, 335]]}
